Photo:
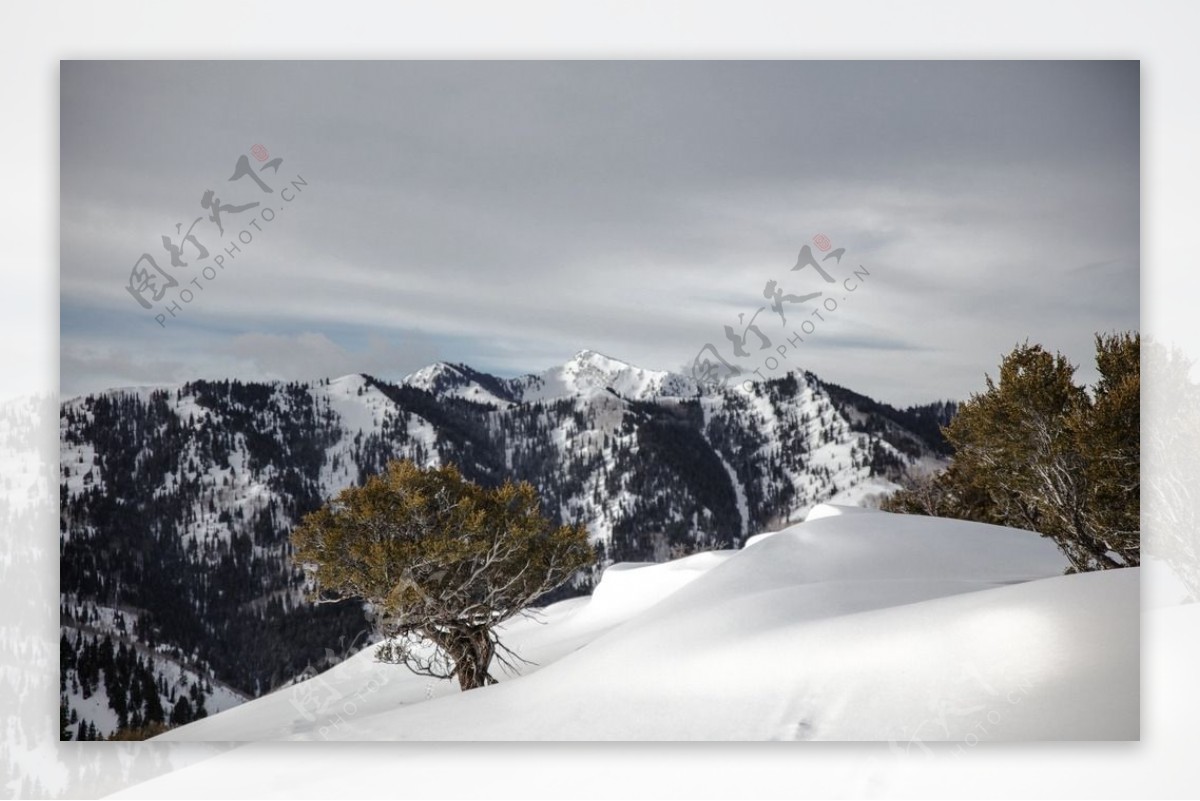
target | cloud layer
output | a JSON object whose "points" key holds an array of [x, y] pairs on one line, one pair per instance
{"points": [[507, 214]]}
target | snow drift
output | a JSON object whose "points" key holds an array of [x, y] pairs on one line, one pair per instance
{"points": [[863, 626]]}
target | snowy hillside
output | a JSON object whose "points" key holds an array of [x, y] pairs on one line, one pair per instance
{"points": [[852, 625], [177, 502]]}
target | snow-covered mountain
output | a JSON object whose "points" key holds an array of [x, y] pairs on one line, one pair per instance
{"points": [[589, 373], [461, 381], [854, 625], [586, 374], [177, 501]]}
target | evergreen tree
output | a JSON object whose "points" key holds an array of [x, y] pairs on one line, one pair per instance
{"points": [[1035, 450], [64, 719], [182, 712], [439, 558], [1112, 446]]}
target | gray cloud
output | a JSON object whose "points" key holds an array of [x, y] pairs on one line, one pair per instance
{"points": [[507, 214], [283, 356]]}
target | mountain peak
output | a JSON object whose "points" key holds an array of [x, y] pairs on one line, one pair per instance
{"points": [[590, 372], [461, 381], [429, 374], [591, 360], [593, 356]]}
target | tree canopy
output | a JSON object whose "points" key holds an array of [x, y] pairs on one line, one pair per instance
{"points": [[1037, 451], [441, 561]]}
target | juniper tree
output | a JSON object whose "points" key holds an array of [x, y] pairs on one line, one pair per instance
{"points": [[1111, 447], [1035, 450], [440, 561]]}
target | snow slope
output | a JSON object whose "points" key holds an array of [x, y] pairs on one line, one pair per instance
{"points": [[863, 626]]}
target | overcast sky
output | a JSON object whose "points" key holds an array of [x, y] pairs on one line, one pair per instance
{"points": [[508, 214]]}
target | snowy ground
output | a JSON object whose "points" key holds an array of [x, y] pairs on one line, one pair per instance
{"points": [[854, 625]]}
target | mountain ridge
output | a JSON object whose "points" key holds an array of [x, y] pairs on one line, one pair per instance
{"points": [[177, 501]]}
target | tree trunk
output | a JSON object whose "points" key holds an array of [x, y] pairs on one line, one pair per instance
{"points": [[472, 650]]}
